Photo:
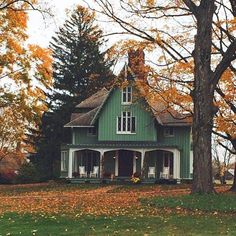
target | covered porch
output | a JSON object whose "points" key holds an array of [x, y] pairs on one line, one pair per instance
{"points": [[121, 163]]}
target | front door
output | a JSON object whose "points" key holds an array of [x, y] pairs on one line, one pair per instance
{"points": [[125, 163]]}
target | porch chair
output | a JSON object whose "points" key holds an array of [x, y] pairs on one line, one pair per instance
{"points": [[151, 172], [94, 173], [82, 172], [165, 173]]}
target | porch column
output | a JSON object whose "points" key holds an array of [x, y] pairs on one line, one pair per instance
{"points": [[75, 157], [142, 163], [101, 164], [70, 164], [134, 162], [116, 163], [176, 164]]}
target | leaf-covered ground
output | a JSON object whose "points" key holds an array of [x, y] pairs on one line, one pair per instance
{"points": [[62, 209]]}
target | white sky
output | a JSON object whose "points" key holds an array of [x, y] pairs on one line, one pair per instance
{"points": [[40, 30]]}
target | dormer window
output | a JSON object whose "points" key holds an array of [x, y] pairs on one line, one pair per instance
{"points": [[127, 95]]}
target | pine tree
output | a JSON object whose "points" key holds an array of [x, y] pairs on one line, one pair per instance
{"points": [[79, 70], [79, 66]]}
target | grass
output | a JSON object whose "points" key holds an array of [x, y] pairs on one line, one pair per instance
{"points": [[44, 225], [12, 190], [147, 187], [113, 210], [207, 203]]}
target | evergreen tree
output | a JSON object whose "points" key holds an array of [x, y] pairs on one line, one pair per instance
{"points": [[79, 67], [79, 70]]}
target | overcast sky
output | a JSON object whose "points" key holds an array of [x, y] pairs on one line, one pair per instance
{"points": [[40, 30]]}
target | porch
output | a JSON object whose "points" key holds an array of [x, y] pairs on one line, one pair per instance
{"points": [[119, 165], [123, 181]]}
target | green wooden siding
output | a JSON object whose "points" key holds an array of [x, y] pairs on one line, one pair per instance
{"points": [[81, 136], [181, 139], [107, 131]]}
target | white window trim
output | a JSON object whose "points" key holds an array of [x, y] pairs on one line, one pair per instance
{"points": [[126, 91], [125, 132], [167, 134], [64, 155]]}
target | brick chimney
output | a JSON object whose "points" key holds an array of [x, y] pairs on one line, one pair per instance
{"points": [[136, 62]]}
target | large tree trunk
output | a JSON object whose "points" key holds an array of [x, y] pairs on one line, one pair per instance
{"points": [[203, 101]]}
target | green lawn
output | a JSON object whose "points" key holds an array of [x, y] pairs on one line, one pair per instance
{"points": [[156, 210], [207, 203], [13, 224]]}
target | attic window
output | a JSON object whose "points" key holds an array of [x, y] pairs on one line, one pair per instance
{"points": [[169, 132], [92, 131], [127, 95], [126, 123]]}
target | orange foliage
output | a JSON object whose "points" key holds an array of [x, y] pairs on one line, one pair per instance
{"points": [[27, 68], [107, 200]]}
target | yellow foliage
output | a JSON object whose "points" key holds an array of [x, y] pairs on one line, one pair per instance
{"points": [[28, 68]]}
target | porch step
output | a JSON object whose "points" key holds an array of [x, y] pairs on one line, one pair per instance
{"points": [[121, 181], [85, 181]]}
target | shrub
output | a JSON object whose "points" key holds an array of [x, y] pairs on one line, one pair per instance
{"points": [[135, 180], [28, 174], [8, 177]]}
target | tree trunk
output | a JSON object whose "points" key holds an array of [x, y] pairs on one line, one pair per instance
{"points": [[202, 159], [203, 101]]}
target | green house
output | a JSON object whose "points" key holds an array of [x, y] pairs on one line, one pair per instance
{"points": [[118, 133]]}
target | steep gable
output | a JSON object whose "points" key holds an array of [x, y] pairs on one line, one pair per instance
{"points": [[87, 110]]}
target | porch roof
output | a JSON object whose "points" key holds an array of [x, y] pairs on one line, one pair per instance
{"points": [[122, 145]]}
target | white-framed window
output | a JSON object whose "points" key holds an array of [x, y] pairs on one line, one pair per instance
{"points": [[126, 123], [169, 132], [92, 131], [127, 95], [64, 166]]}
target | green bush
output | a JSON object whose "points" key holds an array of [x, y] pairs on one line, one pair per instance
{"points": [[28, 174]]}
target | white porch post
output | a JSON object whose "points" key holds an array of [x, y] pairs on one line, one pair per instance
{"points": [[116, 163], [134, 162], [75, 162], [101, 163], [70, 164], [142, 162], [176, 160]]}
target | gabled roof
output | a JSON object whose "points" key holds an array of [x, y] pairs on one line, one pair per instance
{"points": [[83, 119], [168, 117], [97, 101], [93, 102]]}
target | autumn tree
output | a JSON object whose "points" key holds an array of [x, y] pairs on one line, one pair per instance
{"points": [[79, 70], [222, 157], [25, 70], [186, 34], [225, 126]]}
